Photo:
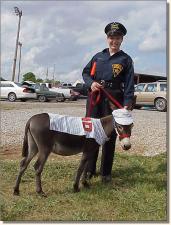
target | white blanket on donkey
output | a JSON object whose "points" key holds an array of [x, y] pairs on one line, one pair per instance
{"points": [[88, 127]]}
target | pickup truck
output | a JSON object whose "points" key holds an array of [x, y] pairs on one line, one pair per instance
{"points": [[81, 88]]}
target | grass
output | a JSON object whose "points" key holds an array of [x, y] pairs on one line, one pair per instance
{"points": [[138, 192]]}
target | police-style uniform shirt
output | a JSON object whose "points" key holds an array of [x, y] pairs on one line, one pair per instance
{"points": [[117, 69]]}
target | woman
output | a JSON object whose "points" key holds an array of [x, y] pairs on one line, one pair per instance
{"points": [[115, 68]]}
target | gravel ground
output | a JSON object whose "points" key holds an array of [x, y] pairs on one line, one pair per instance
{"points": [[148, 135]]}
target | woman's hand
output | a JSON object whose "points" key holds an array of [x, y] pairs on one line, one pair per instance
{"points": [[95, 86]]}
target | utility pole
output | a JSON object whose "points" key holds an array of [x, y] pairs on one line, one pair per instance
{"points": [[20, 45], [18, 13], [47, 74], [54, 74]]}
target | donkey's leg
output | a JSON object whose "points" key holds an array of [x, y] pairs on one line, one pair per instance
{"points": [[79, 173], [32, 151], [91, 153], [85, 179], [86, 175], [38, 166]]}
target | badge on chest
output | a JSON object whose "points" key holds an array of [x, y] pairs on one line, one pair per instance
{"points": [[117, 69]]}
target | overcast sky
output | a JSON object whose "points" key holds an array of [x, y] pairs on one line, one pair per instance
{"points": [[68, 33]]}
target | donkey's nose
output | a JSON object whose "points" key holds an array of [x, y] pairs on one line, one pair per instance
{"points": [[127, 147]]}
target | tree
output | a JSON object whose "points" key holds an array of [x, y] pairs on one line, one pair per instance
{"points": [[39, 80], [57, 82], [49, 81], [29, 76]]}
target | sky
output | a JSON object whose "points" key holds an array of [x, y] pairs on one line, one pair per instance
{"points": [[63, 36]]}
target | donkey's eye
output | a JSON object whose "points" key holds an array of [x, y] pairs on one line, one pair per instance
{"points": [[120, 127]]}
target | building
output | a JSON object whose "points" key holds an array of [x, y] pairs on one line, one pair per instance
{"points": [[146, 78]]}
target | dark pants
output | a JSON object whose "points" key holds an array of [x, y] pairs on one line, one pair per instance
{"points": [[108, 149]]}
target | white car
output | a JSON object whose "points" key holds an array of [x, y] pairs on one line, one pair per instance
{"points": [[12, 91]]}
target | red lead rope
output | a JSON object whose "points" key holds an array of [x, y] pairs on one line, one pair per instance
{"points": [[113, 100], [95, 98]]}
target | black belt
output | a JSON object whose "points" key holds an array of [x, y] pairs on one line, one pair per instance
{"points": [[109, 84]]}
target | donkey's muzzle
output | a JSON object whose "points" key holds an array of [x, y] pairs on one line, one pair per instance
{"points": [[126, 147], [125, 143]]}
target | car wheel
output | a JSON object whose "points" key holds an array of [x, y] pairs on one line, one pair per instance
{"points": [[161, 104], [73, 98], [12, 97], [42, 98], [60, 99]]}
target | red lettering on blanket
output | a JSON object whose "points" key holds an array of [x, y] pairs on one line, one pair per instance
{"points": [[87, 124]]}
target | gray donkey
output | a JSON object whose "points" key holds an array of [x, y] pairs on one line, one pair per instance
{"points": [[42, 139]]}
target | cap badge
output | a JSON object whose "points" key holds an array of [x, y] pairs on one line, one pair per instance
{"points": [[117, 68], [114, 26]]}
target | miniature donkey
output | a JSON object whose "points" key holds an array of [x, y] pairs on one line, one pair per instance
{"points": [[40, 139]]}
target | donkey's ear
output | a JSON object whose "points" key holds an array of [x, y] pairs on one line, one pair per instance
{"points": [[112, 106]]}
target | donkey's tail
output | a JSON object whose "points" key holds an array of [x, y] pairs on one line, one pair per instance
{"points": [[25, 142]]}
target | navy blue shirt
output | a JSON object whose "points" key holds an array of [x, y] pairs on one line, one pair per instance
{"points": [[117, 69]]}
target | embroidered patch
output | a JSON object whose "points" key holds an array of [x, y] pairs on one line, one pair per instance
{"points": [[117, 68], [87, 124]]}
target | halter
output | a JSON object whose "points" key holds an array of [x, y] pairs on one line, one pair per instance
{"points": [[120, 135]]}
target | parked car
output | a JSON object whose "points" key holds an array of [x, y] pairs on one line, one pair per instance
{"points": [[68, 93], [12, 91], [152, 94], [44, 94]]}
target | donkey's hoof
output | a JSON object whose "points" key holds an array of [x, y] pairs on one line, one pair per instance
{"points": [[76, 190], [16, 192], [42, 194]]}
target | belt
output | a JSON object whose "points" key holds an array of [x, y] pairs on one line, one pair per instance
{"points": [[109, 84]]}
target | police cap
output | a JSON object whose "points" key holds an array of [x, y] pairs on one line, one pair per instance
{"points": [[115, 28]]}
